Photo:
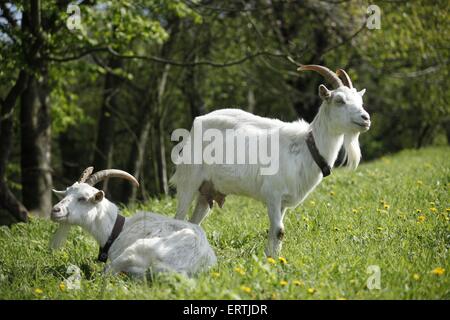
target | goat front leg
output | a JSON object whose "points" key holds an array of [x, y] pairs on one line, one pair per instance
{"points": [[185, 197], [276, 230]]}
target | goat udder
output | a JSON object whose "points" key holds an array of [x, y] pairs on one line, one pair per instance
{"points": [[207, 190]]}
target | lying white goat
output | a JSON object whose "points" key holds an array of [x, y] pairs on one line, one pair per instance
{"points": [[136, 244], [306, 154]]}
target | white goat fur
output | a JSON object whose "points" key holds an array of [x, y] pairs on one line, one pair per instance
{"points": [[298, 174], [147, 241]]}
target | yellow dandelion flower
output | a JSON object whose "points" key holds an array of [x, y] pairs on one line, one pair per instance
{"points": [[432, 204], [246, 289], [239, 270], [416, 276], [62, 286], [283, 283], [336, 229], [438, 271], [386, 206], [380, 229], [354, 210], [271, 260], [332, 193], [434, 210], [215, 274], [38, 291], [282, 260], [312, 203], [297, 283], [419, 182], [448, 209], [421, 218], [418, 211], [311, 290]]}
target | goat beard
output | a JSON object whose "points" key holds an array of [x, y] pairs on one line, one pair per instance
{"points": [[60, 236], [352, 151]]}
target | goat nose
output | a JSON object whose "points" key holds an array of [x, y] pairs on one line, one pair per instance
{"points": [[56, 209], [365, 117]]}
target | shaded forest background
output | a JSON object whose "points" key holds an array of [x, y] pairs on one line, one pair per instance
{"points": [[110, 93]]}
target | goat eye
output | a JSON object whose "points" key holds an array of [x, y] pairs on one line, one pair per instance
{"points": [[81, 199]]}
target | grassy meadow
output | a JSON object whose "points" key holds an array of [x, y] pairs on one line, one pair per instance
{"points": [[392, 213]]}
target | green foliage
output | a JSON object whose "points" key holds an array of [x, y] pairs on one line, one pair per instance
{"points": [[65, 112], [392, 213], [411, 102]]}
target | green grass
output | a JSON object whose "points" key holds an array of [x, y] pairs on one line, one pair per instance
{"points": [[351, 221]]}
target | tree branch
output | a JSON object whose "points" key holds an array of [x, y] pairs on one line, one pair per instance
{"points": [[168, 61], [345, 41]]}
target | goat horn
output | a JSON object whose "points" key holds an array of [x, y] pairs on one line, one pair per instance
{"points": [[110, 173], [345, 78], [329, 75], [86, 173], [59, 192]]}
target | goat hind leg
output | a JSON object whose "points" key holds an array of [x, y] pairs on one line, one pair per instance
{"points": [[136, 259], [201, 210]]}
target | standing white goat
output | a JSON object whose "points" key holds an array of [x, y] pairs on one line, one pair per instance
{"points": [[306, 154], [133, 245]]}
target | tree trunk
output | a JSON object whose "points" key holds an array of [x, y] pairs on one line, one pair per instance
{"points": [[71, 159], [161, 159], [135, 161], [148, 110], [251, 101], [10, 203], [7, 200], [191, 92], [105, 134], [36, 147], [447, 130], [154, 148]]}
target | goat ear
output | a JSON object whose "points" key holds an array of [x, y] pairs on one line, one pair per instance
{"points": [[96, 198], [361, 93], [324, 93]]}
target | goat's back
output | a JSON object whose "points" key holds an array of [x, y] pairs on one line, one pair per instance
{"points": [[236, 119]]}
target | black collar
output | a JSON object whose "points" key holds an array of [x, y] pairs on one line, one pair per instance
{"points": [[320, 161], [118, 226]]}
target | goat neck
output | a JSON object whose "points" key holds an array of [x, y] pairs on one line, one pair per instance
{"points": [[328, 142], [101, 225]]}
